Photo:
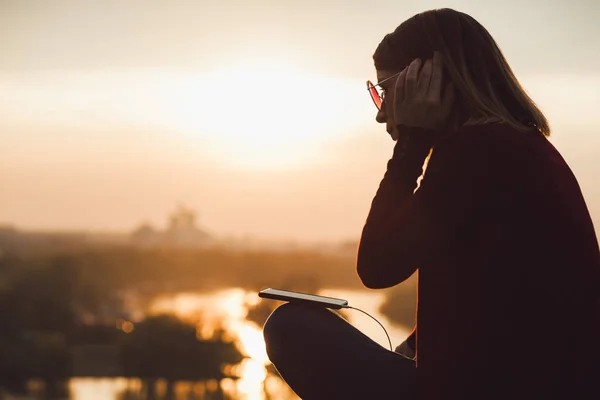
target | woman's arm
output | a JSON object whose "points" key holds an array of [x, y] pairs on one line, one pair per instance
{"points": [[397, 186], [405, 228]]}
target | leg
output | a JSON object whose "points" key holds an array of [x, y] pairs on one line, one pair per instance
{"points": [[321, 356]]}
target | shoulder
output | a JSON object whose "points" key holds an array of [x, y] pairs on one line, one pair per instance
{"points": [[484, 150], [487, 140]]}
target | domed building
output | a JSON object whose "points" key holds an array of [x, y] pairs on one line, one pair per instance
{"points": [[182, 231]]}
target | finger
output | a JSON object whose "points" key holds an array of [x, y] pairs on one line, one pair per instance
{"points": [[435, 85], [424, 79], [411, 77], [448, 100], [400, 87]]}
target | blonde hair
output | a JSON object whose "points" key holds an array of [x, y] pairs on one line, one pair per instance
{"points": [[486, 87]]}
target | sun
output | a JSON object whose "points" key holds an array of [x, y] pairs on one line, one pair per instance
{"points": [[268, 114]]}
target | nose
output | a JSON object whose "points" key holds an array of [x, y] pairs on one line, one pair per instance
{"points": [[381, 117]]}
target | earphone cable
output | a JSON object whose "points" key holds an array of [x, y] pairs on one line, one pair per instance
{"points": [[366, 313]]}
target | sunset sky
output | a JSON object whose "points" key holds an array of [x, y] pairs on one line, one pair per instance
{"points": [[254, 112]]}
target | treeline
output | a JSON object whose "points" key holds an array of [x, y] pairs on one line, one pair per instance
{"points": [[195, 269]]}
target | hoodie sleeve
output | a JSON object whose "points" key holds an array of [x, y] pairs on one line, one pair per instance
{"points": [[405, 228]]}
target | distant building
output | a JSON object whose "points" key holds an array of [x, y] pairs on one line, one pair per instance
{"points": [[145, 235], [182, 231]]}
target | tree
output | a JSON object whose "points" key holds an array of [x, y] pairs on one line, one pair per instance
{"points": [[165, 347]]}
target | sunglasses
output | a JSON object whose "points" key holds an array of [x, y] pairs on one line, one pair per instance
{"points": [[376, 92]]}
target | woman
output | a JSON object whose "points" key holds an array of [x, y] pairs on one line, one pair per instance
{"points": [[498, 230]]}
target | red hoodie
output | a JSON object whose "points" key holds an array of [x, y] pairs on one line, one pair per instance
{"points": [[508, 264]]}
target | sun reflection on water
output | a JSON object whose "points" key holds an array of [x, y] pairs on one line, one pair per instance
{"points": [[227, 310], [100, 388]]}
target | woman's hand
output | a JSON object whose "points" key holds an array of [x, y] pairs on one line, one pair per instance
{"points": [[418, 98]]}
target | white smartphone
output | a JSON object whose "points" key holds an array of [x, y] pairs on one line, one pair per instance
{"points": [[286, 295]]}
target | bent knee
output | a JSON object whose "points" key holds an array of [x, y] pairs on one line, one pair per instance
{"points": [[283, 321], [291, 323]]}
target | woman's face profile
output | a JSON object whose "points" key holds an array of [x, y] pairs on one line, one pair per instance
{"points": [[388, 79], [386, 114]]}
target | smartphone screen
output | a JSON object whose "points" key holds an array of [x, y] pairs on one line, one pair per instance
{"points": [[286, 295]]}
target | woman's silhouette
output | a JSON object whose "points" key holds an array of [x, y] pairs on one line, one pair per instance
{"points": [[498, 231]]}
